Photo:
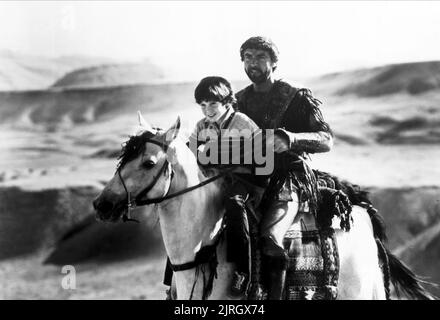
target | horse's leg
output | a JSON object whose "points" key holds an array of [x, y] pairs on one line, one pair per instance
{"points": [[185, 281], [360, 275]]}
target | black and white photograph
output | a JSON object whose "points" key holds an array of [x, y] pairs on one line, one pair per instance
{"points": [[219, 150]]}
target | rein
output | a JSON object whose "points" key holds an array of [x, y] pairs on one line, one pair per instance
{"points": [[176, 194], [139, 202]]}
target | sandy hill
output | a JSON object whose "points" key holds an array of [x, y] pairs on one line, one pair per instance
{"points": [[111, 75], [412, 78], [28, 72], [393, 104]]}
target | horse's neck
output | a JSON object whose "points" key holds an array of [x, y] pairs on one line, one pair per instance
{"points": [[192, 220]]}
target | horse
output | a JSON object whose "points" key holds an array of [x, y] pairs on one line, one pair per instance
{"points": [[158, 170]]}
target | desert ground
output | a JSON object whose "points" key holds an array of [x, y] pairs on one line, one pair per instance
{"points": [[59, 145]]}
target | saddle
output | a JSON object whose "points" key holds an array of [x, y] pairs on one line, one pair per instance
{"points": [[311, 248]]}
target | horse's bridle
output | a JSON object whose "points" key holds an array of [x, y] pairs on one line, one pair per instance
{"points": [[138, 201], [132, 203]]}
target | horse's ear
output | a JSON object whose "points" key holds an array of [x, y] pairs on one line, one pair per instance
{"points": [[144, 124], [173, 132]]}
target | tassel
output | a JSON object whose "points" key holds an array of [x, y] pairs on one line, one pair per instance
{"points": [[207, 290]]}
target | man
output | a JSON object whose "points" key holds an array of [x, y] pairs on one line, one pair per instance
{"points": [[299, 129]]}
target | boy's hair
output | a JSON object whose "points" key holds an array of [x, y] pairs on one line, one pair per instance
{"points": [[214, 89]]}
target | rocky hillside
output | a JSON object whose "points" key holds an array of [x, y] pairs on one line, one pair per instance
{"points": [[52, 107], [412, 78], [63, 221]]}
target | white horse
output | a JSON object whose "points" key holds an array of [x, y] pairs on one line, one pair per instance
{"points": [[157, 168]]}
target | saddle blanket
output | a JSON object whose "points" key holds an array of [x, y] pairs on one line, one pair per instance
{"points": [[313, 265]]}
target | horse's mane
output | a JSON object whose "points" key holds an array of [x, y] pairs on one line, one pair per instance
{"points": [[134, 146]]}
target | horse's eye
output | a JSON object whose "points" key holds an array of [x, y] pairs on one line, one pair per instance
{"points": [[148, 164]]}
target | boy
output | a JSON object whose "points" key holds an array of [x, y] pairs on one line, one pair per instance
{"points": [[216, 98]]}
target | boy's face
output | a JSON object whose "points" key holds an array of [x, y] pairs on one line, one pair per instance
{"points": [[213, 110]]}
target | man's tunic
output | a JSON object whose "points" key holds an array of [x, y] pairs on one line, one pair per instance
{"points": [[294, 114]]}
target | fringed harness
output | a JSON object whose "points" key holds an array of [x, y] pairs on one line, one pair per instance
{"points": [[207, 255]]}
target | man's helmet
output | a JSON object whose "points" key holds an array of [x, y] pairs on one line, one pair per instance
{"points": [[260, 43]]}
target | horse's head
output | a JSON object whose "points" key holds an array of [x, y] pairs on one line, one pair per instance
{"points": [[144, 171]]}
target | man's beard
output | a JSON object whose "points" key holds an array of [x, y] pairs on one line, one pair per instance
{"points": [[257, 78]]}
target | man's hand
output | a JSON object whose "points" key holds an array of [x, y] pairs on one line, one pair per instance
{"points": [[280, 144]]}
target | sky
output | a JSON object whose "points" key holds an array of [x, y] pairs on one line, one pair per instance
{"points": [[192, 39]]}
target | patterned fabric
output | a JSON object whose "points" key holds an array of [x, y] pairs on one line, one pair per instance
{"points": [[313, 268]]}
